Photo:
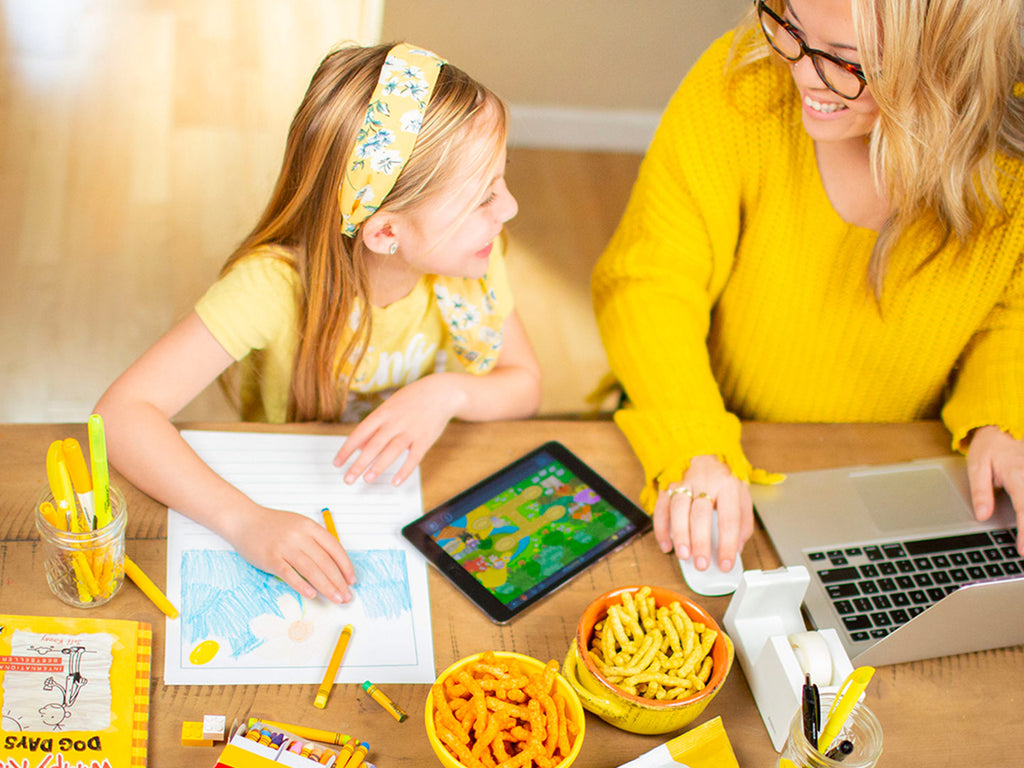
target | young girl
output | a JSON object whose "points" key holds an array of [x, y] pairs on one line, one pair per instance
{"points": [[373, 283]]}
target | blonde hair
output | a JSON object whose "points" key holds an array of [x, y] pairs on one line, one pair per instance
{"points": [[304, 217], [946, 108]]}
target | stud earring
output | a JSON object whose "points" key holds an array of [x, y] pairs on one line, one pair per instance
{"points": [[393, 249]]}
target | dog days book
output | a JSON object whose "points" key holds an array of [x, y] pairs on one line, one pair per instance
{"points": [[74, 692]]}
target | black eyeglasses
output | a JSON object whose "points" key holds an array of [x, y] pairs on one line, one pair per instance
{"points": [[839, 76]]}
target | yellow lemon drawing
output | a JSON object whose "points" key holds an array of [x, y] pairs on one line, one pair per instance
{"points": [[204, 652]]}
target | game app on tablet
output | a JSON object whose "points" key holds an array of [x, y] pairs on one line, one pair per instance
{"points": [[524, 531]]}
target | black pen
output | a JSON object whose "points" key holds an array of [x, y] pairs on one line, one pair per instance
{"points": [[811, 711], [840, 751]]}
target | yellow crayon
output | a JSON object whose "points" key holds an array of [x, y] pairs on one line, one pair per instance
{"points": [[149, 589], [357, 756], [332, 668], [382, 698], [329, 522], [344, 754], [313, 734]]}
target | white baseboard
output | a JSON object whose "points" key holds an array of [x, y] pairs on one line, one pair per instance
{"points": [[608, 130]]}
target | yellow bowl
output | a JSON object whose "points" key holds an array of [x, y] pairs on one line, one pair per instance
{"points": [[528, 664], [622, 709]]}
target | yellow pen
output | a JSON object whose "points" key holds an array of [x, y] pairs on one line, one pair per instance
{"points": [[846, 699], [80, 479], [100, 470]]}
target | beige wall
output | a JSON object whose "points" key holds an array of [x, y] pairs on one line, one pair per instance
{"points": [[593, 54]]}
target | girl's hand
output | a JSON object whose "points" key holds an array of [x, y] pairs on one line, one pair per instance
{"points": [[303, 554], [410, 420], [682, 521], [996, 460]]}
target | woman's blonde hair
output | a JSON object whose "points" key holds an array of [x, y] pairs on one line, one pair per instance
{"points": [[944, 85], [304, 217]]}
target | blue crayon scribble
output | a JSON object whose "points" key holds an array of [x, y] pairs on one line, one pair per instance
{"points": [[220, 594], [382, 582]]}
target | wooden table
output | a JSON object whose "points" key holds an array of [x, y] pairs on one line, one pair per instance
{"points": [[960, 710]]}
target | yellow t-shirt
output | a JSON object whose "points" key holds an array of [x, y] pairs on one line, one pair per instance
{"points": [[252, 312]]}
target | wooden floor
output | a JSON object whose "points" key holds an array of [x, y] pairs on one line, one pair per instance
{"points": [[139, 141]]}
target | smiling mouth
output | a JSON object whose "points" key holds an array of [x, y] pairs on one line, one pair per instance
{"points": [[824, 107]]}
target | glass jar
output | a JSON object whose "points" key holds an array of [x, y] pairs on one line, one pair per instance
{"points": [[861, 728], [84, 568]]}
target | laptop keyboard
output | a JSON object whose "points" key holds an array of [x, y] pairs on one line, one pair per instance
{"points": [[876, 589]]}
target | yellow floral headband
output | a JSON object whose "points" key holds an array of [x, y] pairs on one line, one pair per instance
{"points": [[392, 123]]}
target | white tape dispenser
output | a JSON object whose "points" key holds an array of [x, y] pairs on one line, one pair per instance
{"points": [[775, 648]]}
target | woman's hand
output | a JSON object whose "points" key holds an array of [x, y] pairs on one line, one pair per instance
{"points": [[291, 546], [996, 460], [411, 419], [682, 514]]}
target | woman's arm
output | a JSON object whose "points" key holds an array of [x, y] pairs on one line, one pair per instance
{"points": [[415, 416], [148, 450]]}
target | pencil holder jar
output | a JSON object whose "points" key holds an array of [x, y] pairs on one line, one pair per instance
{"points": [[84, 563], [858, 744]]}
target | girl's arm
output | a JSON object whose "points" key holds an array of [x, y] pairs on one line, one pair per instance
{"points": [[148, 450], [415, 416]]}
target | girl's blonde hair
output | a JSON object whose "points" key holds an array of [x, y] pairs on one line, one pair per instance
{"points": [[944, 86], [303, 214]]}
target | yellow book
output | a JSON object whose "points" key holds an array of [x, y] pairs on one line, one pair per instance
{"points": [[77, 688]]}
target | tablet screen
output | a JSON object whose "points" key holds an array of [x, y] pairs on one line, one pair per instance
{"points": [[524, 531]]}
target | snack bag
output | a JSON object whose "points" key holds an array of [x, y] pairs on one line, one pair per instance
{"points": [[706, 746]]}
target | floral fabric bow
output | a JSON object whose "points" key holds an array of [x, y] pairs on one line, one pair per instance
{"points": [[386, 140]]}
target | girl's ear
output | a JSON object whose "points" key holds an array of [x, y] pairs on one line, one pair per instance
{"points": [[379, 233]]}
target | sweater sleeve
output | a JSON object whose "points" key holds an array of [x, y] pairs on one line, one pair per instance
{"points": [[989, 388], [658, 279]]}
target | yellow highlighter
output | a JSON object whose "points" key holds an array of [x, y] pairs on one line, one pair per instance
{"points": [[61, 487], [846, 699], [80, 479], [100, 470]]}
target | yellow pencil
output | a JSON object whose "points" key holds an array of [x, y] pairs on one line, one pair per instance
{"points": [[149, 589], [332, 668]]}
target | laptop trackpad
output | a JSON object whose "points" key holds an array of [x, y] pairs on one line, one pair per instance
{"points": [[909, 498]]}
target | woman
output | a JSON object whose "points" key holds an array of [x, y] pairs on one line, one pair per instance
{"points": [[826, 228]]}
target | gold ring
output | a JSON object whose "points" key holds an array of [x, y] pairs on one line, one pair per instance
{"points": [[681, 489]]}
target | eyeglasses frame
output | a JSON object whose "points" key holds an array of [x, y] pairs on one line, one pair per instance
{"points": [[811, 53]]}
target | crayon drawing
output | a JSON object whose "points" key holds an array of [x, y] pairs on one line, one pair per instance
{"points": [[240, 625], [56, 683]]}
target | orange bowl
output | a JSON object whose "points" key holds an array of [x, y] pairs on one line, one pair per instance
{"points": [[574, 709], [628, 711]]}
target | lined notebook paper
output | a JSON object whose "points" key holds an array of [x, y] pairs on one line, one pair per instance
{"points": [[239, 625]]}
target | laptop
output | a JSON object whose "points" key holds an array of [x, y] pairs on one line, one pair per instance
{"points": [[899, 566]]}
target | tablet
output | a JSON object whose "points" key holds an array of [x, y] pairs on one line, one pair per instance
{"points": [[517, 536]]}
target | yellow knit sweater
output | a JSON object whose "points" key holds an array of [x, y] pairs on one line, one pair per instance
{"points": [[732, 290]]}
